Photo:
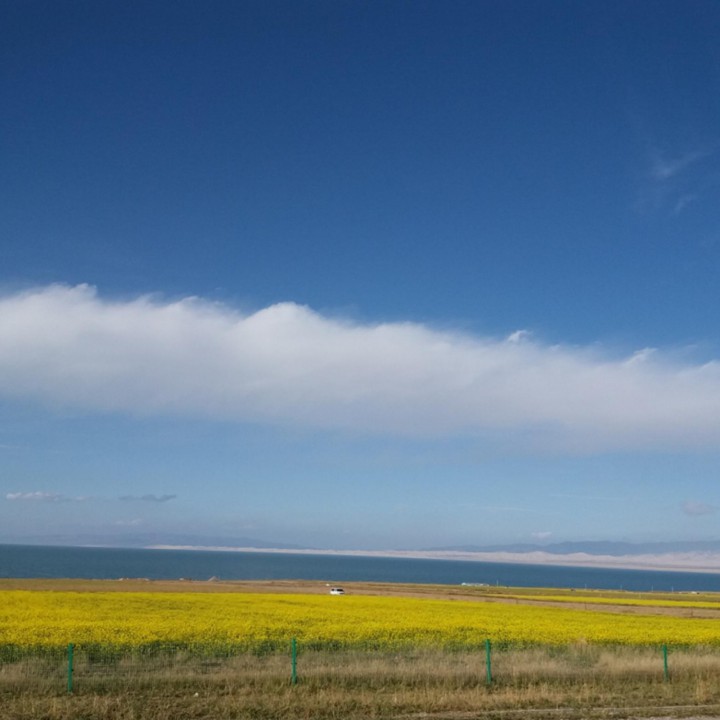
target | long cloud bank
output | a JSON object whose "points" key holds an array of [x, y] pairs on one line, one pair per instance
{"points": [[285, 364]]}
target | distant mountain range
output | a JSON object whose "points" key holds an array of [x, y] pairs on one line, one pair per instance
{"points": [[591, 547]]}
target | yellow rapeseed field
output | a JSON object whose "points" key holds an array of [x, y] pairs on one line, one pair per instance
{"points": [[630, 601], [38, 620]]}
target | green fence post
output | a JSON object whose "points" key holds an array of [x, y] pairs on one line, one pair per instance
{"points": [[70, 668], [665, 663], [293, 679], [488, 668]]}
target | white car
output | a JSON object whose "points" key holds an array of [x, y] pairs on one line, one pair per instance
{"points": [[337, 591]]}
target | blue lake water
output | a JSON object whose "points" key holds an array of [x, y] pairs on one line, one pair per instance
{"points": [[32, 561]]}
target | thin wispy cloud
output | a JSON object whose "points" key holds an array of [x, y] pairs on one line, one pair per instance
{"points": [[148, 498], [583, 496], [501, 509], [52, 497], [665, 167], [44, 497], [678, 181], [698, 508], [683, 202], [541, 535], [287, 365]]}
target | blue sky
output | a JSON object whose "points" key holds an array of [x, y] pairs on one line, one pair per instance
{"points": [[360, 274]]}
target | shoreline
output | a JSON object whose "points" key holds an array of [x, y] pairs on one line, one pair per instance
{"points": [[670, 562]]}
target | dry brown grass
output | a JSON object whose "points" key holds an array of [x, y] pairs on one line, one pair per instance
{"points": [[568, 682]]}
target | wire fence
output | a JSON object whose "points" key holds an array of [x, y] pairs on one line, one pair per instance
{"points": [[80, 669]]}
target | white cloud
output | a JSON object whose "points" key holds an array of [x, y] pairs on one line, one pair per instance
{"points": [[38, 496], [541, 535], [285, 364], [518, 336], [641, 356]]}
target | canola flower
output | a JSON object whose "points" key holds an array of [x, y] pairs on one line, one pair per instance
{"points": [[41, 621], [629, 601]]}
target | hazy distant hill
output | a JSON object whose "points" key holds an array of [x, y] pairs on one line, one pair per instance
{"points": [[142, 540], [591, 547]]}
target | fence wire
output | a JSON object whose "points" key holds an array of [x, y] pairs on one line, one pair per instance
{"points": [[94, 668]]}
